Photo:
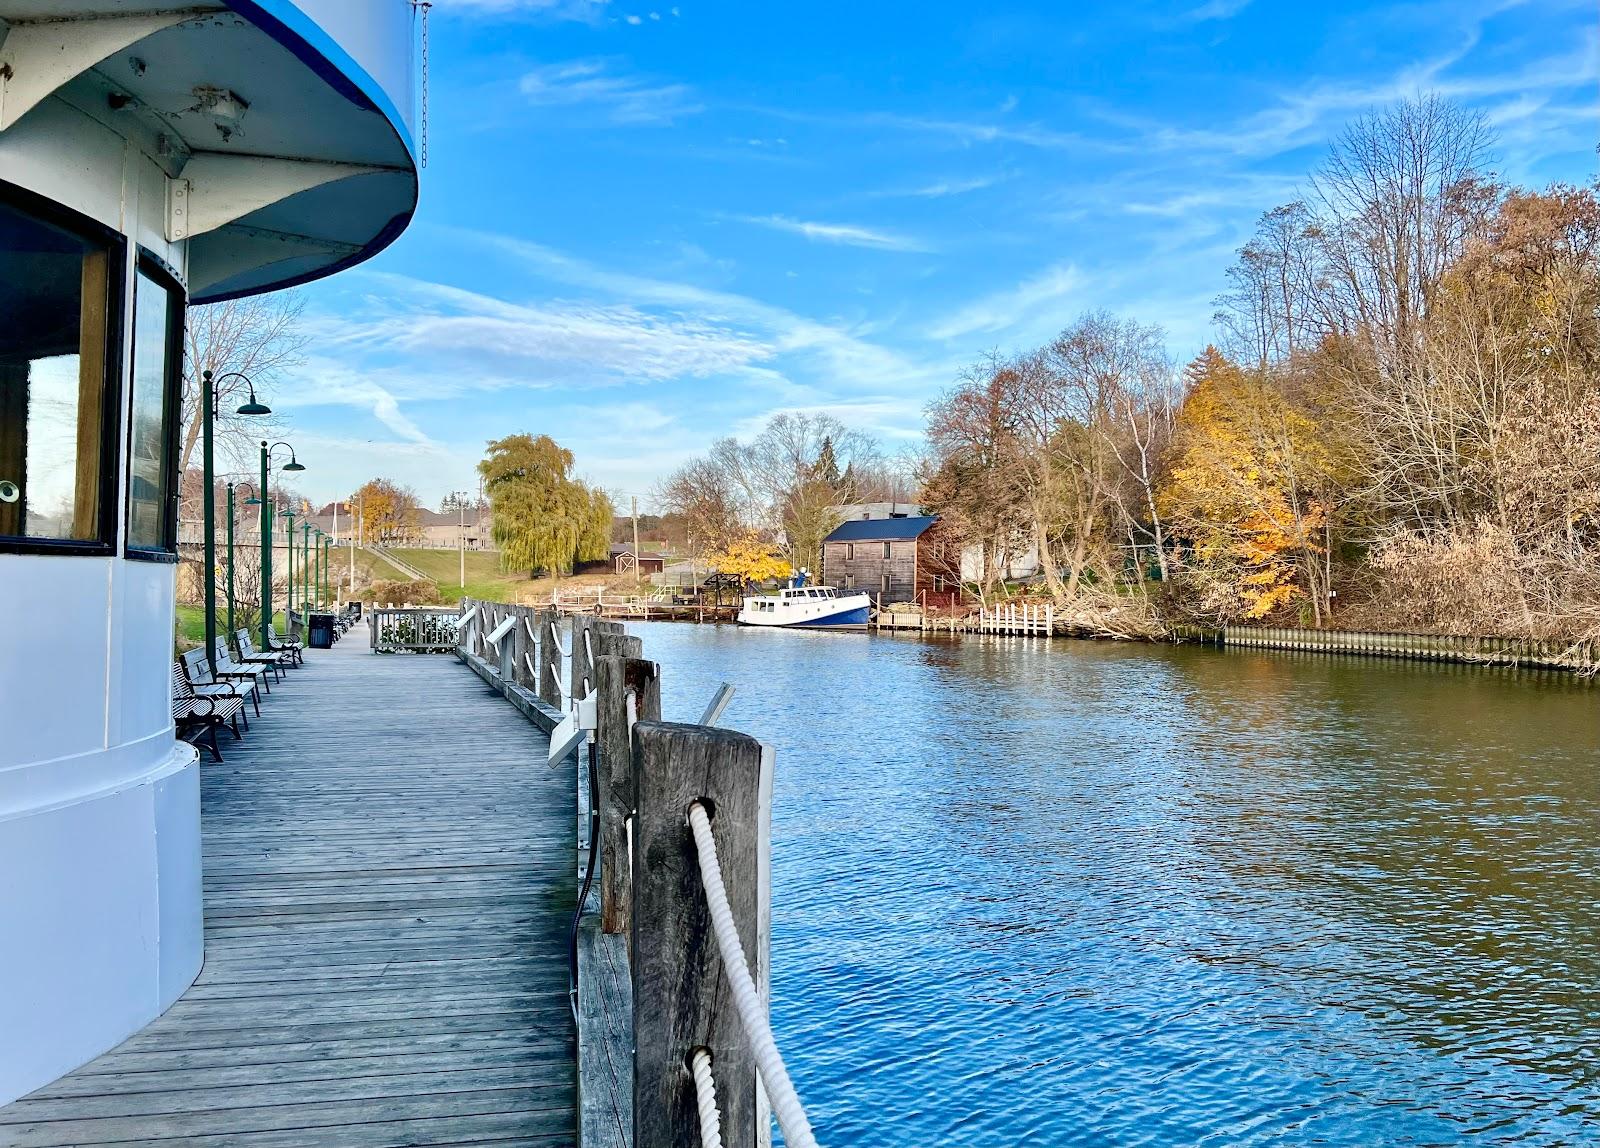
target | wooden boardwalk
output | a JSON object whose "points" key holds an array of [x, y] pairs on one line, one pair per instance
{"points": [[388, 885]]}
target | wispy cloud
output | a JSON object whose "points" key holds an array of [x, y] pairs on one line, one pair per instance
{"points": [[1008, 309], [587, 11], [938, 189], [595, 82], [1217, 10], [848, 234]]}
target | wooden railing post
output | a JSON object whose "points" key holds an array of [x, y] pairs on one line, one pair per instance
{"points": [[586, 634], [549, 658], [681, 998], [617, 677]]}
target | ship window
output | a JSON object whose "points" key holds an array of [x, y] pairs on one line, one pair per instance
{"points": [[58, 298], [152, 433]]}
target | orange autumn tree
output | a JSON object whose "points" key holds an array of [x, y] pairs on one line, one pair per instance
{"points": [[751, 560], [1247, 492]]}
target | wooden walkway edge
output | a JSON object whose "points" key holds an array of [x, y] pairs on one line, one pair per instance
{"points": [[388, 888]]}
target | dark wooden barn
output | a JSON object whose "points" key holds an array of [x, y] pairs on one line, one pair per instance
{"points": [[894, 560]]}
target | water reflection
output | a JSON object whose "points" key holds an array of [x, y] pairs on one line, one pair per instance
{"points": [[1076, 893]]}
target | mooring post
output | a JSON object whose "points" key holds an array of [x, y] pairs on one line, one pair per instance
{"points": [[681, 997], [618, 677]]}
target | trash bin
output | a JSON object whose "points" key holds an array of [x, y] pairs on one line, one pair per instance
{"points": [[321, 631]]}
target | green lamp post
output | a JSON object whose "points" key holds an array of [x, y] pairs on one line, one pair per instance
{"points": [[251, 501], [305, 566], [266, 536], [208, 402]]}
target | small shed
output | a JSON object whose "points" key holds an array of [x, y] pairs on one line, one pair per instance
{"points": [[623, 561], [893, 560]]}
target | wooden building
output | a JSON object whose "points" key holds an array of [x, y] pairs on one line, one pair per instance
{"points": [[893, 560], [623, 561]]}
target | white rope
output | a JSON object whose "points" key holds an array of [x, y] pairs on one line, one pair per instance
{"points": [[757, 1029], [705, 1099]]}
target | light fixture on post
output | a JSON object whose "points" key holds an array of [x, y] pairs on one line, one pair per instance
{"points": [[266, 535], [208, 401]]}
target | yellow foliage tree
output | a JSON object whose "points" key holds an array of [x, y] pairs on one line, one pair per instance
{"points": [[1247, 491], [751, 560]]}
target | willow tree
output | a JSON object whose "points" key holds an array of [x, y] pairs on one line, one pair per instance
{"points": [[543, 518]]}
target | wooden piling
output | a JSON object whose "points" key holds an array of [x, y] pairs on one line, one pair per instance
{"points": [[618, 677], [682, 1000]]}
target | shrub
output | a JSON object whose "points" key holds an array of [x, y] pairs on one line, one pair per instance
{"points": [[399, 592]]}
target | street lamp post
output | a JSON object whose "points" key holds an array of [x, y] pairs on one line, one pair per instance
{"points": [[292, 465], [288, 606], [252, 501], [305, 564], [208, 398]]}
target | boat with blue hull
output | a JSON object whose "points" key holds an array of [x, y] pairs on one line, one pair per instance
{"points": [[808, 607]]}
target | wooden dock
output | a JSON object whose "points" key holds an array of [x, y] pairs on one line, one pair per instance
{"points": [[388, 887]]}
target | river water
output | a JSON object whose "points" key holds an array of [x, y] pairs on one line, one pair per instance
{"points": [[1072, 893]]}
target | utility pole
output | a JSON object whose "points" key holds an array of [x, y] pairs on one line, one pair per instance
{"points": [[461, 505], [634, 498], [336, 542]]}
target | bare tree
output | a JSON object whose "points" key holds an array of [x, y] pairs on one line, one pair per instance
{"points": [[1399, 197], [258, 337]]}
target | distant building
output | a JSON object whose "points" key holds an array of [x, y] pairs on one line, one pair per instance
{"points": [[894, 560], [624, 562], [871, 511]]}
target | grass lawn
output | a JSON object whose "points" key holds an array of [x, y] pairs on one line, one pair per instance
{"points": [[192, 623], [484, 577]]}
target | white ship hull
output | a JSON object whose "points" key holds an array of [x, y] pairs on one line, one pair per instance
{"points": [[796, 608]]}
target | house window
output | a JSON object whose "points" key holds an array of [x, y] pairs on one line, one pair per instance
{"points": [[884, 589], [888, 549], [58, 301], [849, 581], [938, 583], [849, 551], [153, 425]]}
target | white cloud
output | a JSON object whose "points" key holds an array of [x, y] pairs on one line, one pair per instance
{"points": [[1217, 10], [848, 234], [938, 189], [498, 344], [1006, 310], [587, 11], [625, 99]]}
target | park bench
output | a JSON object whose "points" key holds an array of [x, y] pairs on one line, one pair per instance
{"points": [[234, 668], [249, 655], [196, 718], [296, 649], [208, 685]]}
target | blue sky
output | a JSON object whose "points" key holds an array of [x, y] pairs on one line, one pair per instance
{"points": [[645, 227]]}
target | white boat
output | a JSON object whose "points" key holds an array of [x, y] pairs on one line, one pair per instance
{"points": [[819, 606]]}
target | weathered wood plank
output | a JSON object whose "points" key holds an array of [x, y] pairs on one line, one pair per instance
{"points": [[388, 881]]}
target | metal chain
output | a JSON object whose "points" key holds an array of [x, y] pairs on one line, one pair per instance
{"points": [[426, 6]]}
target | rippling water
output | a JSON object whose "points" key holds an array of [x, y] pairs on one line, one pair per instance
{"points": [[1074, 893]]}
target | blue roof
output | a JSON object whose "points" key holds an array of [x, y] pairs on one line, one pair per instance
{"points": [[881, 529]]}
